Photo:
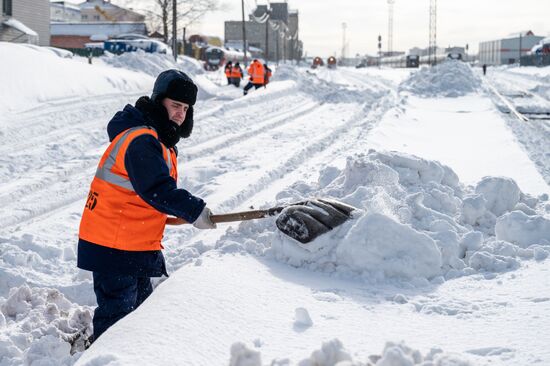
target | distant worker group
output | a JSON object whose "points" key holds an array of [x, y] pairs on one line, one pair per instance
{"points": [[259, 75]]}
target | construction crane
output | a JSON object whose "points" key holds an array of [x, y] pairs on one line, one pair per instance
{"points": [[104, 13], [390, 27], [432, 48]]}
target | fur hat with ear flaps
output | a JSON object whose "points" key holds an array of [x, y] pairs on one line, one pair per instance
{"points": [[176, 85]]}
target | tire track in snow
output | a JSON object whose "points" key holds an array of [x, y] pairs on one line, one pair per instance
{"points": [[335, 140], [70, 184]]}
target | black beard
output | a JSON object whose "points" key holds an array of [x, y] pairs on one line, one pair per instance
{"points": [[157, 117]]}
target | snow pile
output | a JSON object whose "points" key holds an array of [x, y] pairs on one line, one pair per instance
{"points": [[447, 79], [155, 63], [326, 91], [415, 222], [29, 77], [41, 325], [333, 353], [152, 63]]}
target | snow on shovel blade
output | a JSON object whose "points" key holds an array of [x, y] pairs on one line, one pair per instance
{"points": [[316, 217]]}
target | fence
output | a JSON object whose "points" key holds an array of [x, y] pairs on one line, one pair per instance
{"points": [[535, 60]]}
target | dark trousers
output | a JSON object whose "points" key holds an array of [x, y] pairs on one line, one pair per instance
{"points": [[236, 82], [249, 86], [117, 296]]}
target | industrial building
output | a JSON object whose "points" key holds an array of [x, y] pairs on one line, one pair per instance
{"points": [[25, 21], [105, 11], [74, 26], [75, 35], [63, 11], [507, 50], [273, 29]]}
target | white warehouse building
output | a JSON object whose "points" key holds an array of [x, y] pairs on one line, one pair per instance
{"points": [[507, 50]]}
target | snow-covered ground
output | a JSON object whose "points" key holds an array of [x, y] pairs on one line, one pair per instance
{"points": [[444, 263]]}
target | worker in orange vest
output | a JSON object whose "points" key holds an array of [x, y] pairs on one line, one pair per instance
{"points": [[133, 191], [267, 74], [256, 72], [236, 74], [228, 68]]}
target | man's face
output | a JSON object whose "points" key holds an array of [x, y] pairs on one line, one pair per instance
{"points": [[176, 110]]}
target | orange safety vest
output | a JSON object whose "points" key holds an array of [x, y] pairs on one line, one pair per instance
{"points": [[267, 76], [114, 215], [256, 72], [228, 70], [236, 73]]}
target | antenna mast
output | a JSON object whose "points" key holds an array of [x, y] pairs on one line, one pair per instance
{"points": [[390, 26], [432, 48]]}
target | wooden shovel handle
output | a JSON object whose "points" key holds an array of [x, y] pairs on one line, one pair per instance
{"points": [[231, 217]]}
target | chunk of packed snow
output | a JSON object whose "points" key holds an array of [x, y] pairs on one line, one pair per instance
{"points": [[501, 194], [241, 355], [523, 230], [302, 318]]}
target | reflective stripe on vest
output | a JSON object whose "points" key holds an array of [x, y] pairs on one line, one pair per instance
{"points": [[104, 171]]}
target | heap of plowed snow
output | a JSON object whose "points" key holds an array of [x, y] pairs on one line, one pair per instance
{"points": [[152, 63], [448, 79], [325, 91], [416, 222]]}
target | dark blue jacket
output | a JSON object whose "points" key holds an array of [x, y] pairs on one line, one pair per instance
{"points": [[151, 180]]}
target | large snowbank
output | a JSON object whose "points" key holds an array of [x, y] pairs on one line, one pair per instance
{"points": [[416, 222], [447, 79], [29, 77]]}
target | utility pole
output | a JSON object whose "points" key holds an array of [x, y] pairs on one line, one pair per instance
{"points": [[379, 49], [390, 26], [175, 30], [244, 33], [183, 40], [277, 38], [267, 36], [284, 45], [519, 60], [432, 48], [344, 26]]}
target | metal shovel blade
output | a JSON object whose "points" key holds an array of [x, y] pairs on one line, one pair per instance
{"points": [[306, 222]]}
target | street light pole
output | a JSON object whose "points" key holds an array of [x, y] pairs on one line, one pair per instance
{"points": [[174, 30], [267, 37], [244, 33], [277, 38], [519, 61]]}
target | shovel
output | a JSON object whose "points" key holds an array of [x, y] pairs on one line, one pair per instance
{"points": [[303, 221]]}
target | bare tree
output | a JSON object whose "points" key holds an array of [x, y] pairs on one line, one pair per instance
{"points": [[158, 13]]}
